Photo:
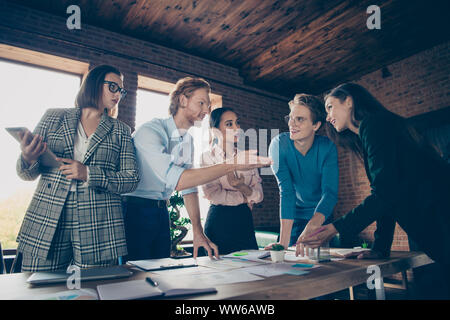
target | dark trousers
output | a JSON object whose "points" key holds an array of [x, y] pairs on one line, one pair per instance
{"points": [[431, 281], [231, 228], [147, 229]]}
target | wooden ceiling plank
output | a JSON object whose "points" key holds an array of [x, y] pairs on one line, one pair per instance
{"points": [[310, 36], [347, 48]]}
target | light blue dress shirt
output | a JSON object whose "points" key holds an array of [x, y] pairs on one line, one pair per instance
{"points": [[308, 183], [163, 153]]}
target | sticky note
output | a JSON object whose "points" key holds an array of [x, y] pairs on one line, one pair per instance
{"points": [[239, 254], [303, 265], [296, 272]]}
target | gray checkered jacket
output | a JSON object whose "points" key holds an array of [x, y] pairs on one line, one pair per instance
{"points": [[113, 170]]}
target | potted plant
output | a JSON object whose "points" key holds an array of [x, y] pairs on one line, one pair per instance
{"points": [[277, 253], [178, 225]]}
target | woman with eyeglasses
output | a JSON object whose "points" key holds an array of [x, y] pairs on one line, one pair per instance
{"points": [[410, 182], [75, 215], [229, 223]]}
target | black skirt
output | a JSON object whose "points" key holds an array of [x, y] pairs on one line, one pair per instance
{"points": [[231, 228]]}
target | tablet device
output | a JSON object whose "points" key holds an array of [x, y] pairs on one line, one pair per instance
{"points": [[47, 159]]}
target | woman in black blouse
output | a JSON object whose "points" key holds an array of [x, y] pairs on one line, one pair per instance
{"points": [[410, 182]]}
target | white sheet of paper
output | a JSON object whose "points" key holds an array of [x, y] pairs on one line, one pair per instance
{"points": [[250, 255], [290, 257], [218, 278], [184, 271], [275, 269], [80, 294], [344, 252], [150, 264], [226, 264]]}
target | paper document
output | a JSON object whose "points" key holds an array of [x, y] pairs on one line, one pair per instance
{"points": [[81, 294], [275, 269], [226, 264], [218, 278], [343, 253], [251, 255], [290, 257], [162, 264]]}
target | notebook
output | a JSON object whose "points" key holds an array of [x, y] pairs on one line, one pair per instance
{"points": [[140, 289], [163, 264], [114, 272]]}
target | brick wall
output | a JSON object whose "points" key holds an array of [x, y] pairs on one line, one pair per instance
{"points": [[417, 85], [35, 30]]}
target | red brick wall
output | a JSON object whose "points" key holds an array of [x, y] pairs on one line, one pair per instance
{"points": [[417, 85]]}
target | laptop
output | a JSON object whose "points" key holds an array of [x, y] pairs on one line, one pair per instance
{"points": [[114, 272]]}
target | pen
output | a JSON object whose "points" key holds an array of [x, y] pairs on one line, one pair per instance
{"points": [[153, 283]]}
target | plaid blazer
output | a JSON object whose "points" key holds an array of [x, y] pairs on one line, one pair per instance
{"points": [[112, 170]]}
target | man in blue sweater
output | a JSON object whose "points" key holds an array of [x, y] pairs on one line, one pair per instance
{"points": [[306, 169]]}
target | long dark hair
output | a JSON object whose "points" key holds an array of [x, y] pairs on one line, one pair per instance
{"points": [[216, 116], [365, 104], [92, 86], [214, 120]]}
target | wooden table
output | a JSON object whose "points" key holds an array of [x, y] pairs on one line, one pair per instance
{"points": [[329, 278]]}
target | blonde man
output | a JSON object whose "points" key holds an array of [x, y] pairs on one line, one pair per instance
{"points": [[165, 154]]}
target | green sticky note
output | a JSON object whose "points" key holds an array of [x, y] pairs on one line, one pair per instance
{"points": [[296, 272], [239, 254]]}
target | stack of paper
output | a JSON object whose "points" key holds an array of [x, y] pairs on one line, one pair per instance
{"points": [[218, 278], [163, 264], [276, 269], [226, 264], [81, 294], [345, 253], [250, 255]]}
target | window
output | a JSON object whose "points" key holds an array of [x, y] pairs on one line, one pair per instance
{"points": [[153, 102], [27, 92]]}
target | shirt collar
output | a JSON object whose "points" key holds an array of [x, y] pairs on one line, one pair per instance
{"points": [[173, 131]]}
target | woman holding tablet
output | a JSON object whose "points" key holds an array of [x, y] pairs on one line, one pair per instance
{"points": [[75, 216]]}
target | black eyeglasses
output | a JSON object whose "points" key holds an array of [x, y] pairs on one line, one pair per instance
{"points": [[114, 87], [297, 120]]}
